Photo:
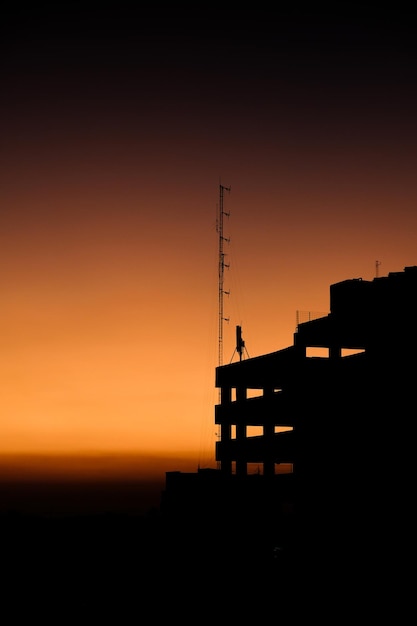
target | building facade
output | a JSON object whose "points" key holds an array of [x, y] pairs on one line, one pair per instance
{"points": [[341, 422]]}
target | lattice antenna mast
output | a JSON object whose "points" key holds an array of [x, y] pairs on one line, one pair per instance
{"points": [[222, 266]]}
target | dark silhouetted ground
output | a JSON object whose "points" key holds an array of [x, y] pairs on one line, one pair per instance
{"points": [[117, 563]]}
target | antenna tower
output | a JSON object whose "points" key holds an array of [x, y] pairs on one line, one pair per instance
{"points": [[222, 266]]}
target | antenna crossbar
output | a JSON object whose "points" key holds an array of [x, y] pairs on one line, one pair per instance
{"points": [[222, 266]]}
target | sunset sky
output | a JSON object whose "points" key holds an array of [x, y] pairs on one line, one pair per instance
{"points": [[117, 128]]}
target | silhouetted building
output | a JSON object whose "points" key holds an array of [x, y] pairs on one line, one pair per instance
{"points": [[342, 421]]}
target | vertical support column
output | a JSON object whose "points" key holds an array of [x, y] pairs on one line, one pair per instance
{"points": [[269, 433], [241, 431], [300, 348], [335, 352], [225, 432]]}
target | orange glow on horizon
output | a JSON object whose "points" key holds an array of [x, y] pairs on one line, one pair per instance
{"points": [[93, 467]]}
